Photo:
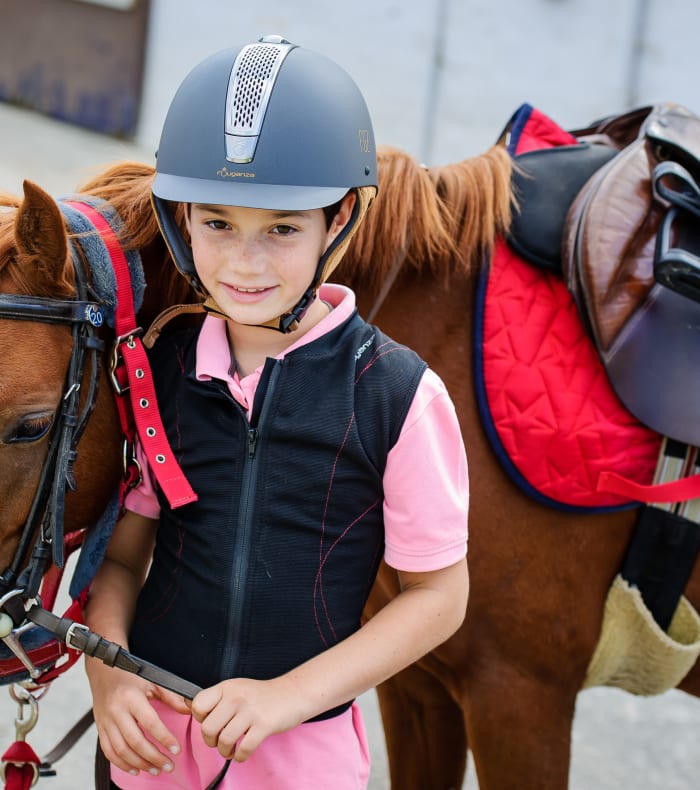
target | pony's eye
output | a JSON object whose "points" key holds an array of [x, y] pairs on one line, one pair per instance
{"points": [[30, 429]]}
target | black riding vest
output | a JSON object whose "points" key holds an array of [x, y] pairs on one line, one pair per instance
{"points": [[274, 562]]}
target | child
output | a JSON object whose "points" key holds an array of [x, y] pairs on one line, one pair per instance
{"points": [[315, 444]]}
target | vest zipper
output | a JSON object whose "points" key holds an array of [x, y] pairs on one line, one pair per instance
{"points": [[252, 441], [245, 523]]}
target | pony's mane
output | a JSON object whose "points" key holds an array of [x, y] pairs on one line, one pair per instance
{"points": [[126, 186], [446, 218]]}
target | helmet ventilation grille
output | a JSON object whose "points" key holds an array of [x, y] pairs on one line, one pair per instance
{"points": [[252, 79], [252, 76]]}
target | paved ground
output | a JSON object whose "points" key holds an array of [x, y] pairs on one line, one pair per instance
{"points": [[619, 741]]}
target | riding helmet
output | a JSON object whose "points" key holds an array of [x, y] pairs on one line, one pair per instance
{"points": [[267, 125]]}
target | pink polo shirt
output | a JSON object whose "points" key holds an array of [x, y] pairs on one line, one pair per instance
{"points": [[426, 488]]}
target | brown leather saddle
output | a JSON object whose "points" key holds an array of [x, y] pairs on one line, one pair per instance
{"points": [[621, 220]]}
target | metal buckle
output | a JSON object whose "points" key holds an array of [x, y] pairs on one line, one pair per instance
{"points": [[22, 727], [131, 463], [3, 769], [70, 633], [116, 358]]}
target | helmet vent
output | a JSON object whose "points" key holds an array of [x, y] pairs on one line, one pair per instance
{"points": [[252, 79]]}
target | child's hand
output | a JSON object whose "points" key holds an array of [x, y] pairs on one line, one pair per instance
{"points": [[131, 733], [237, 715]]}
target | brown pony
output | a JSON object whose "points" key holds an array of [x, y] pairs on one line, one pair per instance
{"points": [[505, 685]]}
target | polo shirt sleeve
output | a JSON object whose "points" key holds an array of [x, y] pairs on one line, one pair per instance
{"points": [[143, 499], [426, 485]]}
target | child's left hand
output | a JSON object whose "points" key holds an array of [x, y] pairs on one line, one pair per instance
{"points": [[237, 715]]}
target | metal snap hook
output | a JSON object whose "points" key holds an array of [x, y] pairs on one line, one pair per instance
{"points": [[24, 725]]}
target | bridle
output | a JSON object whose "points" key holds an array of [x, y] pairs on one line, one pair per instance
{"points": [[43, 529]]}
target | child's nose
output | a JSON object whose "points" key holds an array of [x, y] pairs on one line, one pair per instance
{"points": [[247, 252]]}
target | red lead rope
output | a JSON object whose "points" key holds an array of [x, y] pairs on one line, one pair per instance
{"points": [[132, 372], [20, 766]]}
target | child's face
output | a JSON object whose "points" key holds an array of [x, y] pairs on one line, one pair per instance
{"points": [[256, 263]]}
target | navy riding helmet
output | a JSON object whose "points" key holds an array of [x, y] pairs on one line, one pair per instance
{"points": [[268, 125]]}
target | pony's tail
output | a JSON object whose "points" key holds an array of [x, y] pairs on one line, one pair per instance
{"points": [[478, 196]]}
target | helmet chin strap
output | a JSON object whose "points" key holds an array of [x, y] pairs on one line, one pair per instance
{"points": [[289, 321]]}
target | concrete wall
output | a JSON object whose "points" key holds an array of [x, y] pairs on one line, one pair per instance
{"points": [[441, 77]]}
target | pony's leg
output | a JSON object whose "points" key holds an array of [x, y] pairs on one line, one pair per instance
{"points": [[424, 732], [519, 731]]}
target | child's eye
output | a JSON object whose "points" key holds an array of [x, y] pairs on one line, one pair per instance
{"points": [[284, 230], [216, 224]]}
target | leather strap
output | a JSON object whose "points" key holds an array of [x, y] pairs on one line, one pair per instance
{"points": [[66, 743], [79, 637], [673, 491]]}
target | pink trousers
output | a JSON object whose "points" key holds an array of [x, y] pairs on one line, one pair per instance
{"points": [[315, 756]]}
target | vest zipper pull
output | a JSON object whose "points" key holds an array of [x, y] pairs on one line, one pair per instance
{"points": [[252, 440]]}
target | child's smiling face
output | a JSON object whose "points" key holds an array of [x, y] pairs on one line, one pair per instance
{"points": [[257, 263]]}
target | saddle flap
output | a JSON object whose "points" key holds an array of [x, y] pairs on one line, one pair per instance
{"points": [[545, 183], [608, 244]]}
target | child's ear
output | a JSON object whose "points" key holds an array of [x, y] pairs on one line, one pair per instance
{"points": [[342, 218]]}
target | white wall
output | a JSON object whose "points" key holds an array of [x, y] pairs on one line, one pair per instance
{"points": [[442, 77]]}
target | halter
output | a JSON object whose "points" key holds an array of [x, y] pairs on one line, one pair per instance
{"points": [[45, 518]]}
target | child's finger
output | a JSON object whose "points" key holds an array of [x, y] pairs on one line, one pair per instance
{"points": [[173, 700], [150, 723], [205, 702], [129, 751]]}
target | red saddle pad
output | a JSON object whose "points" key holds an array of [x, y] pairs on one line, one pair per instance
{"points": [[555, 421]]}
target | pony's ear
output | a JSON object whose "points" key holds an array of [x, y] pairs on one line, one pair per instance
{"points": [[41, 233]]}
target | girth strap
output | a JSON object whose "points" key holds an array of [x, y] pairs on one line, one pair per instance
{"points": [[666, 540]]}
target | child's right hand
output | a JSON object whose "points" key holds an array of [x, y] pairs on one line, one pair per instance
{"points": [[131, 733]]}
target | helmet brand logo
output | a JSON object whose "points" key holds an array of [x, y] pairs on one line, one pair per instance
{"points": [[363, 135], [226, 173]]}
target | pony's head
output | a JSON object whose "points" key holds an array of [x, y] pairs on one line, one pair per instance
{"points": [[35, 262]]}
